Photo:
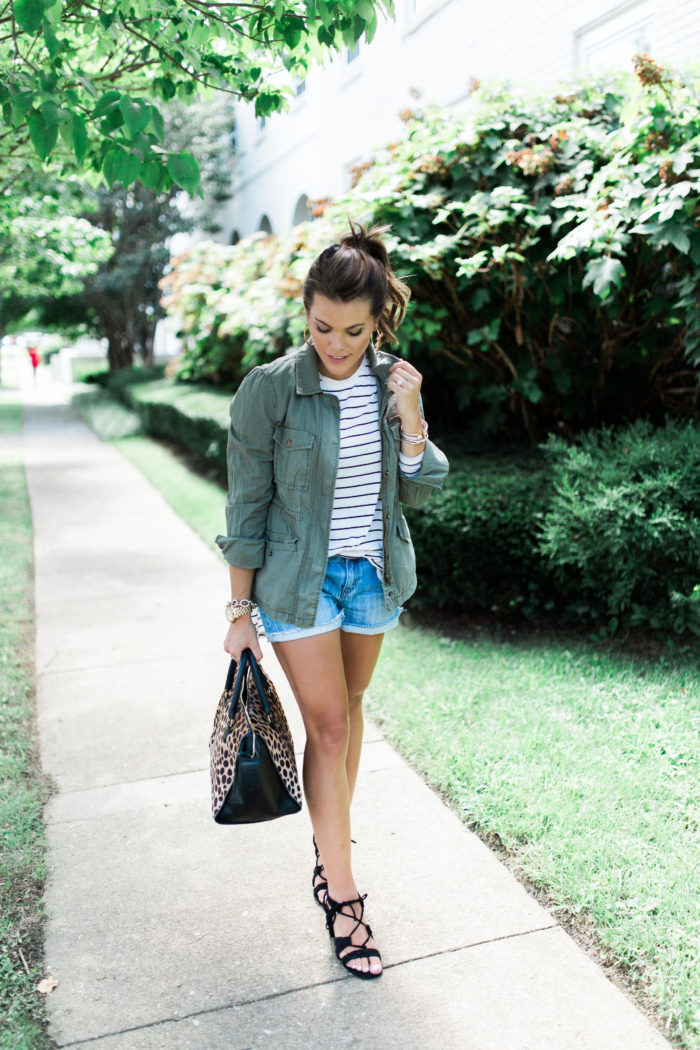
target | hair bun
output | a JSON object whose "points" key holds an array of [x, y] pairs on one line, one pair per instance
{"points": [[368, 241]]}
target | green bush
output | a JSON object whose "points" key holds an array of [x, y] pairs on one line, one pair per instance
{"points": [[551, 243], [621, 534], [476, 539], [193, 418], [120, 380]]}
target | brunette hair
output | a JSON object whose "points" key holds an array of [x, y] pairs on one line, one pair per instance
{"points": [[358, 268]]}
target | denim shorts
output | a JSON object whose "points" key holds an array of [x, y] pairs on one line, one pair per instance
{"points": [[351, 599]]}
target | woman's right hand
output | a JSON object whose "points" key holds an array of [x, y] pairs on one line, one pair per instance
{"points": [[242, 635]]}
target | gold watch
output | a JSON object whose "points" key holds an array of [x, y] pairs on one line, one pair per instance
{"points": [[238, 607]]}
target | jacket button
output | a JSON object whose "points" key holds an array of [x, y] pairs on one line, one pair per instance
{"points": [[288, 442]]}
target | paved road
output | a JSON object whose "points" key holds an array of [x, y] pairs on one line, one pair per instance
{"points": [[167, 932]]}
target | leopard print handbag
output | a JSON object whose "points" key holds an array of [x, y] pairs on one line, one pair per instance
{"points": [[252, 765]]}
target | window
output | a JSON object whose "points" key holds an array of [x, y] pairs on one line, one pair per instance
{"points": [[265, 226], [612, 40], [301, 211], [353, 53]]}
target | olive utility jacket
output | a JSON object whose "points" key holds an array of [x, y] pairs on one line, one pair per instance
{"points": [[283, 448]]}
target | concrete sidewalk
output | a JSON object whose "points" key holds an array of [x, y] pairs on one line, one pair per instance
{"points": [[167, 932]]}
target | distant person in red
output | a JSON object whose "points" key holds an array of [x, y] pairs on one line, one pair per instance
{"points": [[34, 358]]}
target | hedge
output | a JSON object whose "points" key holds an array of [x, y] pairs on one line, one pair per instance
{"points": [[195, 418], [604, 531], [621, 532]]}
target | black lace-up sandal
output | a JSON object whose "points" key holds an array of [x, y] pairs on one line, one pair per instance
{"points": [[342, 944], [320, 888]]}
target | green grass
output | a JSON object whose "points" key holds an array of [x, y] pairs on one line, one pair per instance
{"points": [[198, 501], [584, 766], [23, 790], [580, 761]]}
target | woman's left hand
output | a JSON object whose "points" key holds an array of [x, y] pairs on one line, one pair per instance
{"points": [[405, 381]]}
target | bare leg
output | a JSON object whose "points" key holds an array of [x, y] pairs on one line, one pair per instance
{"points": [[360, 655], [315, 669]]}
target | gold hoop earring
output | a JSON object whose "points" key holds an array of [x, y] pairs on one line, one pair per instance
{"points": [[307, 338]]}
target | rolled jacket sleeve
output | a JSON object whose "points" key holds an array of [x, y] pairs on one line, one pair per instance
{"points": [[250, 471], [415, 490]]}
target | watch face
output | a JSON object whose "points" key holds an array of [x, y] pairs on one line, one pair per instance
{"points": [[230, 614]]}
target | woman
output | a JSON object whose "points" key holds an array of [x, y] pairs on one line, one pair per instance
{"points": [[323, 445]]}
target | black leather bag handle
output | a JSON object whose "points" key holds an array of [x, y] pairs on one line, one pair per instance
{"points": [[259, 682], [238, 671]]}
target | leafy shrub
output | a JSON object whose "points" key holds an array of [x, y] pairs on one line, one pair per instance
{"points": [[476, 539], [621, 533], [109, 418], [193, 418], [119, 381], [551, 243]]}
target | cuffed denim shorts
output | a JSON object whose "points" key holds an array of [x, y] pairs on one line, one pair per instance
{"points": [[352, 599]]}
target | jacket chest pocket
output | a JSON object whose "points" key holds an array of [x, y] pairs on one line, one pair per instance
{"points": [[292, 457]]}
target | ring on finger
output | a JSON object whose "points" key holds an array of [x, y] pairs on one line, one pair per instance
{"points": [[399, 381]]}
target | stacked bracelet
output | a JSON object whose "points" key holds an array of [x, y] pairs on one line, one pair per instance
{"points": [[416, 439], [238, 607]]}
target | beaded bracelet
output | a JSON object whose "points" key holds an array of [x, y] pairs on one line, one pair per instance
{"points": [[416, 439]]}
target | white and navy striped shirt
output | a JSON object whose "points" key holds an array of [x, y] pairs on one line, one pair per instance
{"points": [[356, 521]]}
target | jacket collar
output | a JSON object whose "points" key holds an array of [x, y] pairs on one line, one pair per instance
{"points": [[306, 368]]}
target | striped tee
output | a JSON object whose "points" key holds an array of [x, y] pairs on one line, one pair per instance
{"points": [[356, 520]]}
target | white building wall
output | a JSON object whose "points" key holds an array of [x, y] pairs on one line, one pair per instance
{"points": [[436, 47]]}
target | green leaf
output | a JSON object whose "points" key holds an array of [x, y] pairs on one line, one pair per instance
{"points": [[80, 138], [43, 137], [29, 14], [166, 87], [682, 160], [109, 165], [292, 32], [53, 44], [127, 168], [152, 174], [325, 35], [157, 122], [108, 101], [21, 104], [268, 102], [136, 114], [184, 171], [53, 114], [603, 274], [52, 12], [480, 297], [48, 80], [673, 233]]}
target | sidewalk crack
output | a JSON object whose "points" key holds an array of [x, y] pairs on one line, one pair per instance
{"points": [[292, 991]]}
